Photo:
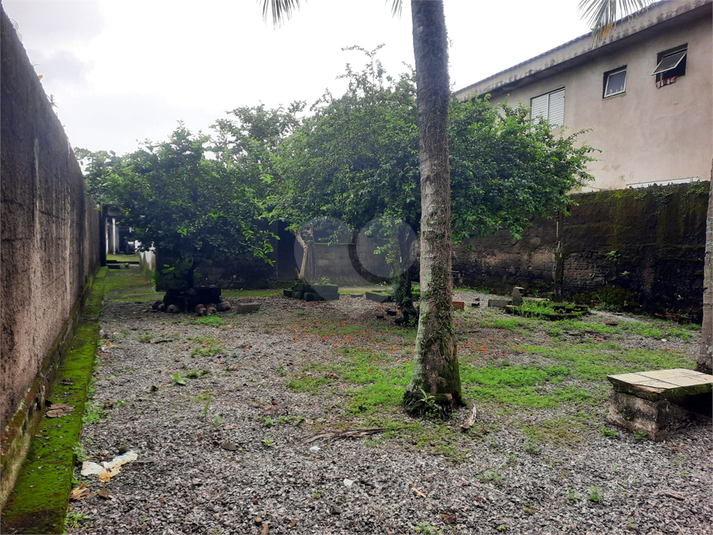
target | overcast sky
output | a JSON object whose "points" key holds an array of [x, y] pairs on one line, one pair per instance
{"points": [[122, 71]]}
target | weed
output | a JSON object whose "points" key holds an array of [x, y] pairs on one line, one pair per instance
{"points": [[282, 371], [532, 448], [267, 442], [145, 338], [205, 409], [195, 374], [178, 379], [316, 494], [216, 422], [572, 495], [93, 414], [268, 422], [424, 528], [501, 528], [79, 454], [594, 495], [429, 400], [491, 475], [73, 519], [609, 433], [641, 436]]}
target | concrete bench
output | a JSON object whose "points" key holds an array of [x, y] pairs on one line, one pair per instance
{"points": [[654, 402]]}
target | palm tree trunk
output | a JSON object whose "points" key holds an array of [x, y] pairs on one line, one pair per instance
{"points": [[436, 374]]}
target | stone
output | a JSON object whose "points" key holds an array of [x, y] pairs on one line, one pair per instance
{"points": [[517, 292], [652, 402], [247, 308], [498, 303], [378, 297]]}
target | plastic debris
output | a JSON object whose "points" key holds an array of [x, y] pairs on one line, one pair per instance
{"points": [[107, 470], [314, 448], [91, 469], [348, 482]]}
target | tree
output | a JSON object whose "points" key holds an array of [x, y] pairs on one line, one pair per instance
{"points": [[436, 374], [191, 208], [354, 159], [602, 15], [705, 355], [506, 169]]}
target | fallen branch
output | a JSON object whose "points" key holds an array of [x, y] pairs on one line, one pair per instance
{"points": [[418, 492], [342, 435]]}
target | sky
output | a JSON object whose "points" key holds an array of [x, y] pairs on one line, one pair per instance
{"points": [[124, 71]]}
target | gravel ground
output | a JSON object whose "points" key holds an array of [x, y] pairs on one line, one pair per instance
{"points": [[221, 469]]}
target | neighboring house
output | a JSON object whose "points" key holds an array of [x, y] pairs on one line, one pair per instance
{"points": [[646, 91]]}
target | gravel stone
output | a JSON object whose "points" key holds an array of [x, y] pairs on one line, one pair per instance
{"points": [[208, 464]]}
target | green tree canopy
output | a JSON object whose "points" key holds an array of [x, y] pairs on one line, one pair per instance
{"points": [[191, 207]]}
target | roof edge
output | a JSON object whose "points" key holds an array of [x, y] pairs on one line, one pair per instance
{"points": [[644, 19]]}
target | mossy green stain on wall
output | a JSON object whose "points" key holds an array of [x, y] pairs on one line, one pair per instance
{"points": [[38, 503]]}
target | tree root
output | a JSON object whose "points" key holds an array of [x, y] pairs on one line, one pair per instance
{"points": [[421, 404]]}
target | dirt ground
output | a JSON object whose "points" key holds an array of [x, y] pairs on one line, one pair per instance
{"points": [[287, 420]]}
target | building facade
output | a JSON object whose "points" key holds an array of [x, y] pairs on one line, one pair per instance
{"points": [[644, 93]]}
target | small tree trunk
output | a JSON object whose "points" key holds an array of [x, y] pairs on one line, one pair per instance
{"points": [[705, 355], [435, 383], [404, 290], [305, 251]]}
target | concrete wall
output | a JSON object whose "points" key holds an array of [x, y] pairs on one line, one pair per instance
{"points": [[50, 237], [646, 134], [640, 246]]}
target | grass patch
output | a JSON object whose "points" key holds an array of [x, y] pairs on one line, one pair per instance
{"points": [[265, 292], [212, 320], [595, 363], [560, 432], [208, 347], [129, 285], [506, 324], [522, 386]]}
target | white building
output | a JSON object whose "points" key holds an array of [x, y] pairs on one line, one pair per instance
{"points": [[646, 91]]}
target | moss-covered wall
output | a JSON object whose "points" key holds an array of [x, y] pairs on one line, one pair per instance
{"points": [[49, 244], [642, 248]]}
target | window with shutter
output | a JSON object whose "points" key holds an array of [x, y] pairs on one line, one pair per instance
{"points": [[549, 106]]}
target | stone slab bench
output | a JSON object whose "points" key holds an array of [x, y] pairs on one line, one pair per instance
{"points": [[653, 402]]}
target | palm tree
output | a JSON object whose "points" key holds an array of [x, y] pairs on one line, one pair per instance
{"points": [[436, 375], [435, 383], [601, 15]]}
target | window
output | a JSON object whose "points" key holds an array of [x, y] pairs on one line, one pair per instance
{"points": [[671, 63], [549, 106], [615, 82]]}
